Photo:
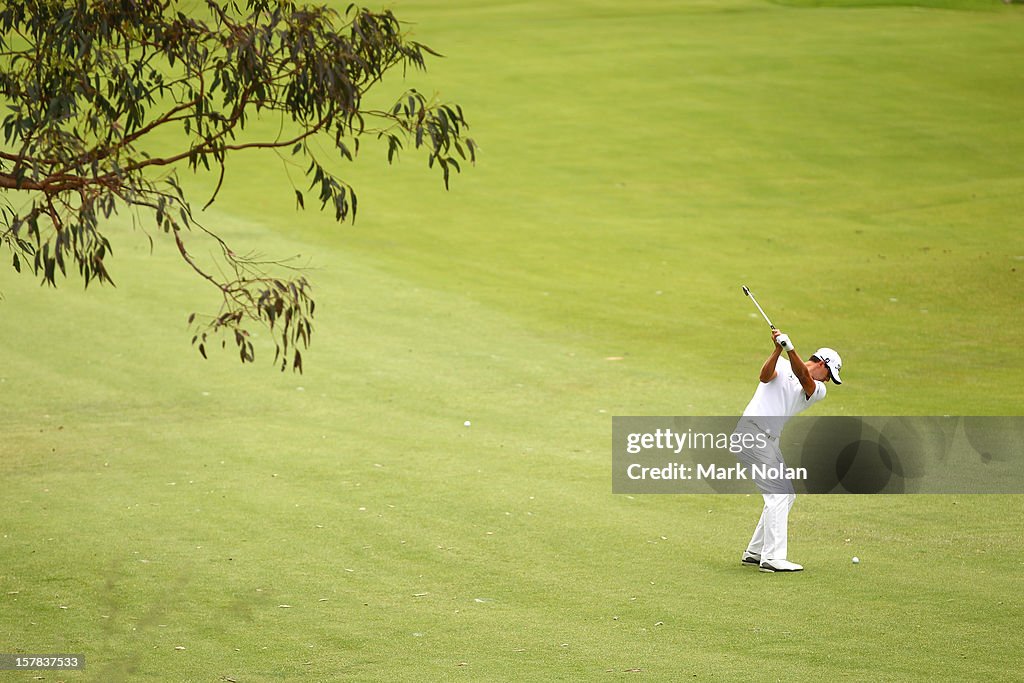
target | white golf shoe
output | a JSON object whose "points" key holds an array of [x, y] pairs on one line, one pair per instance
{"points": [[780, 566], [751, 559]]}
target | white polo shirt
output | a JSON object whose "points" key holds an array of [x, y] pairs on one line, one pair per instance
{"points": [[781, 398]]}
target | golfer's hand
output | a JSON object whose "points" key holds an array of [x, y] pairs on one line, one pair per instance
{"points": [[782, 340]]}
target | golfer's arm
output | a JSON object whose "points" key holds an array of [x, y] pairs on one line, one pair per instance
{"points": [[802, 373], [768, 369]]}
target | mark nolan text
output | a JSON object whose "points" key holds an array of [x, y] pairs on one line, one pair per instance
{"points": [[699, 472]]}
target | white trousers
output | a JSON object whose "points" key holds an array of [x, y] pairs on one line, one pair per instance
{"points": [[771, 535]]}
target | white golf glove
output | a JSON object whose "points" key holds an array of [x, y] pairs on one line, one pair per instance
{"points": [[784, 341]]}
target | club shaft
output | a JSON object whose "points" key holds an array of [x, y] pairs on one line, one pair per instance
{"points": [[761, 310]]}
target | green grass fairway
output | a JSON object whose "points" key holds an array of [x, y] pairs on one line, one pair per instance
{"points": [[859, 167]]}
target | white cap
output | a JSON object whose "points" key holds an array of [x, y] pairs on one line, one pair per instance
{"points": [[832, 360]]}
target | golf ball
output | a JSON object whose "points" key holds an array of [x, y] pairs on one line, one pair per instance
{"points": [[856, 560], [466, 423]]}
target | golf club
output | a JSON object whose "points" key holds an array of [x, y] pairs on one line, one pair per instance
{"points": [[763, 314]]}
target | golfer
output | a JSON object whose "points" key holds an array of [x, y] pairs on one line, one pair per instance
{"points": [[788, 386]]}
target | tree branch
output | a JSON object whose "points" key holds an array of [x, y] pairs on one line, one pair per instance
{"points": [[97, 81]]}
